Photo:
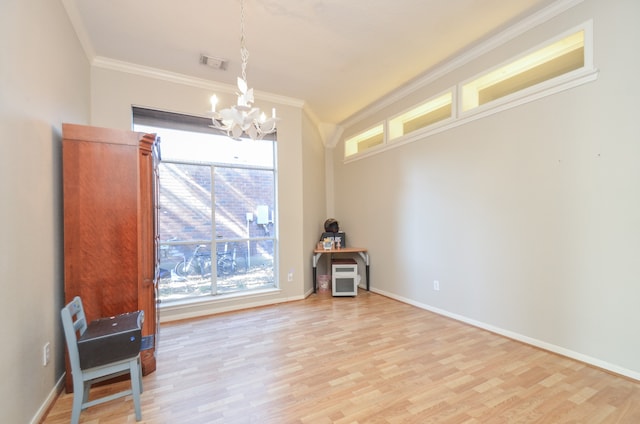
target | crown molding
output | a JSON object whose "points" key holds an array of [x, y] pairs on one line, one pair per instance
{"points": [[311, 114], [330, 134], [508, 34], [79, 28], [173, 77]]}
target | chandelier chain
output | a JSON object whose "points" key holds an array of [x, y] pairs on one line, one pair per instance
{"points": [[244, 53]]}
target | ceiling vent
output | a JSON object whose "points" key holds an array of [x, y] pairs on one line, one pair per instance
{"points": [[214, 62]]}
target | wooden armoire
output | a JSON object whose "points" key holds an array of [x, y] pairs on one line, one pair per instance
{"points": [[110, 231]]}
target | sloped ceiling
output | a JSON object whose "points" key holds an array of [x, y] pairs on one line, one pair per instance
{"points": [[337, 56]]}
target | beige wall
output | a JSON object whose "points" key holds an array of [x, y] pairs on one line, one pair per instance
{"points": [[529, 218], [113, 92], [44, 81]]}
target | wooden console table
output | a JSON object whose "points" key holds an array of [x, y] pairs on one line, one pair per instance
{"points": [[359, 250]]}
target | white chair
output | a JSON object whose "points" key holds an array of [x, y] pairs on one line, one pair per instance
{"points": [[74, 323]]}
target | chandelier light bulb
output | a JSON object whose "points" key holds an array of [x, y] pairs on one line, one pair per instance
{"points": [[214, 102]]}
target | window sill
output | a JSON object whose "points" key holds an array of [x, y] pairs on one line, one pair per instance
{"points": [[207, 305]]}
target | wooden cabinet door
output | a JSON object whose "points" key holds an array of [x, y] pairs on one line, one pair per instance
{"points": [[100, 227]]}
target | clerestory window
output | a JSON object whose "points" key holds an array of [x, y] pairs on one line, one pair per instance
{"points": [[553, 60], [554, 66]]}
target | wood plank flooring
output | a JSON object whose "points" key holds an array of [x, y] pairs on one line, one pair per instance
{"points": [[367, 359]]}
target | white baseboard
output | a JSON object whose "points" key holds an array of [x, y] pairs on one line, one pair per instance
{"points": [[51, 398], [519, 337]]}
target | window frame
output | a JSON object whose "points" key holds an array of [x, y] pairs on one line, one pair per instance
{"points": [[427, 129], [372, 131], [545, 88], [159, 120]]}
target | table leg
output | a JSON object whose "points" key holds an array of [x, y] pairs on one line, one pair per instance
{"points": [[365, 258], [367, 272], [314, 263], [314, 278]]}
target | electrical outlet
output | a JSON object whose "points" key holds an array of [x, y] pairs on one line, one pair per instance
{"points": [[290, 276], [46, 354], [436, 285]]}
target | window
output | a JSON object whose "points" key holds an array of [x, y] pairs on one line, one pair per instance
{"points": [[365, 140], [553, 60], [216, 219], [424, 115]]}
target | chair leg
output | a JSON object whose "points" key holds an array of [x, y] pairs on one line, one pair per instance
{"points": [[78, 400], [140, 375], [136, 385]]}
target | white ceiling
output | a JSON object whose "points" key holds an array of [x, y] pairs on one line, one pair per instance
{"points": [[337, 56]]}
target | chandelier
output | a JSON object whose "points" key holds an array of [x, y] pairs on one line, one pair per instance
{"points": [[243, 117]]}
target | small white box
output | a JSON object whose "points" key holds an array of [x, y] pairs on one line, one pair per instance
{"points": [[344, 277]]}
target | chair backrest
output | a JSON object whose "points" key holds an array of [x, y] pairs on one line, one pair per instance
{"points": [[74, 322]]}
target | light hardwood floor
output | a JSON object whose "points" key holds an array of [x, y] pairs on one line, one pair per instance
{"points": [[367, 359]]}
